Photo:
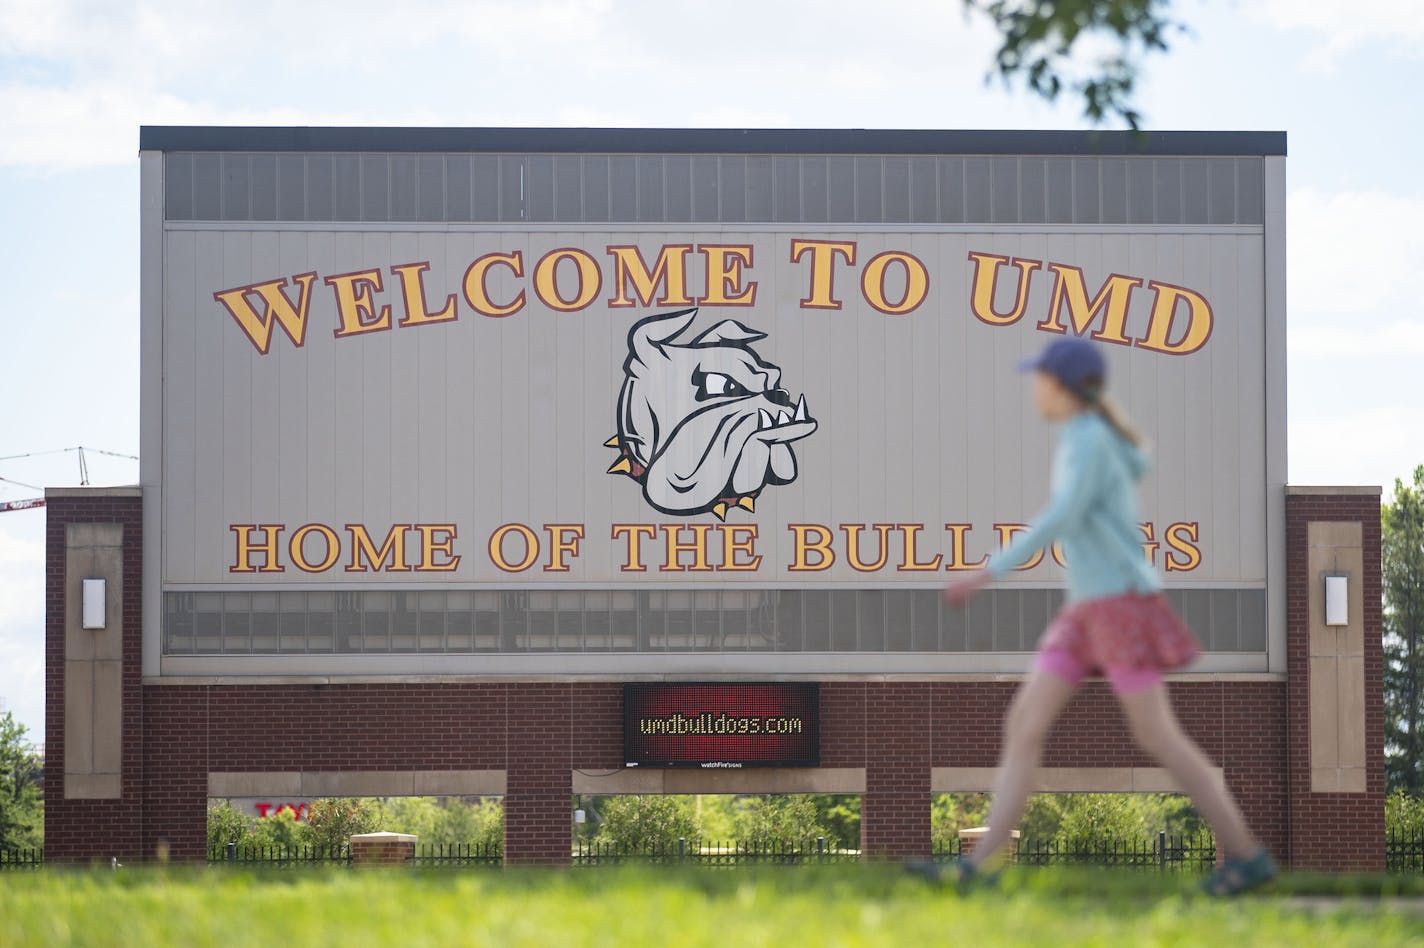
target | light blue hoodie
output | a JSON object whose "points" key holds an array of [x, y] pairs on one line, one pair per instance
{"points": [[1092, 512]]}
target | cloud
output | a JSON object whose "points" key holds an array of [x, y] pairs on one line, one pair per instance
{"points": [[78, 77], [1371, 445], [1342, 26], [22, 618], [1353, 335], [54, 129], [1354, 258], [1397, 339]]}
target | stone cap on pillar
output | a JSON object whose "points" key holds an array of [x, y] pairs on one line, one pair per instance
{"points": [[133, 490], [383, 837], [1359, 490]]}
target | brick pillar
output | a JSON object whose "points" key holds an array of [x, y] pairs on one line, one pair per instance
{"points": [[895, 810], [381, 850], [94, 753], [539, 783], [175, 792], [1335, 695]]}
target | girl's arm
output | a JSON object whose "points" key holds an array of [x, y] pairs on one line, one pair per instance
{"points": [[1082, 474]]}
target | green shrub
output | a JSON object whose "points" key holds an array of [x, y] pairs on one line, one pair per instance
{"points": [[226, 824], [769, 819], [952, 812], [21, 800], [333, 822], [1074, 820], [444, 822], [646, 822], [1092, 820], [1403, 814], [278, 831], [839, 813]]}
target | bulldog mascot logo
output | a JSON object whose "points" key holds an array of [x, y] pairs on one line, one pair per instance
{"points": [[704, 425]]}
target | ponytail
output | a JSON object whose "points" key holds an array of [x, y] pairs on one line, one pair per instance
{"points": [[1117, 419], [1090, 393]]}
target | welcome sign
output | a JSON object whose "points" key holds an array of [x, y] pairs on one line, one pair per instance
{"points": [[598, 408]]}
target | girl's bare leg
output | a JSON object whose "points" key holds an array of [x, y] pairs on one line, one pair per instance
{"points": [[1035, 707], [1155, 727]]}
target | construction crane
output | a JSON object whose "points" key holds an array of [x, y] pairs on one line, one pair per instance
{"points": [[30, 503]]}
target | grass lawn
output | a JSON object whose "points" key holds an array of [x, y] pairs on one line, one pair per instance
{"points": [[849, 905]]}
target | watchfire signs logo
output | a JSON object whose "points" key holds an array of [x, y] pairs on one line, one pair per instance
{"points": [[704, 425]]}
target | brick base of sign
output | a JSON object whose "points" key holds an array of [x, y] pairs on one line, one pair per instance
{"points": [[539, 733]]}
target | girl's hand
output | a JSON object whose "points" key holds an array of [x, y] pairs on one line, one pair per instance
{"points": [[958, 592]]}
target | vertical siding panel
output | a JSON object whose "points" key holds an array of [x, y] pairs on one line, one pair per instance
{"points": [[461, 422], [190, 363], [852, 375], [344, 253], [1178, 414], [527, 378], [924, 409], [803, 348], [606, 497], [495, 456], [1133, 375], [952, 390], [624, 494], [238, 407], [1226, 395], [577, 449], [1035, 439], [982, 374], [322, 476], [537, 437], [1016, 486], [880, 403], [292, 371], [376, 394], [409, 461], [1202, 463], [433, 384], [1251, 417], [265, 458]]}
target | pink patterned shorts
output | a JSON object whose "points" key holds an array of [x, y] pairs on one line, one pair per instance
{"points": [[1131, 640]]}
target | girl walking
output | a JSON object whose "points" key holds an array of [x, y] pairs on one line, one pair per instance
{"points": [[1116, 622]]}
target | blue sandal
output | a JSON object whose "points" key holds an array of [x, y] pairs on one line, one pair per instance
{"points": [[963, 873], [1235, 875]]}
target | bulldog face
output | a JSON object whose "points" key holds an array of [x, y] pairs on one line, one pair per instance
{"points": [[704, 424]]}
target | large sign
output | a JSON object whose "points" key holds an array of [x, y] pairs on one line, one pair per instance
{"points": [[685, 404], [720, 725]]}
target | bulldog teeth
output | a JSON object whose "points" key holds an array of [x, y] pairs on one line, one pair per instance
{"points": [[764, 419], [782, 418], [800, 410]]}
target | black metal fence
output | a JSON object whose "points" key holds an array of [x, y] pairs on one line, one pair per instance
{"points": [[430, 855], [453, 855], [1404, 851], [280, 857], [814, 851], [1164, 853], [21, 859]]}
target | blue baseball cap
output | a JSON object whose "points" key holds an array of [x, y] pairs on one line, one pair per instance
{"points": [[1071, 360]]}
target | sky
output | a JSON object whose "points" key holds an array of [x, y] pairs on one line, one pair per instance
{"points": [[78, 78]]}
